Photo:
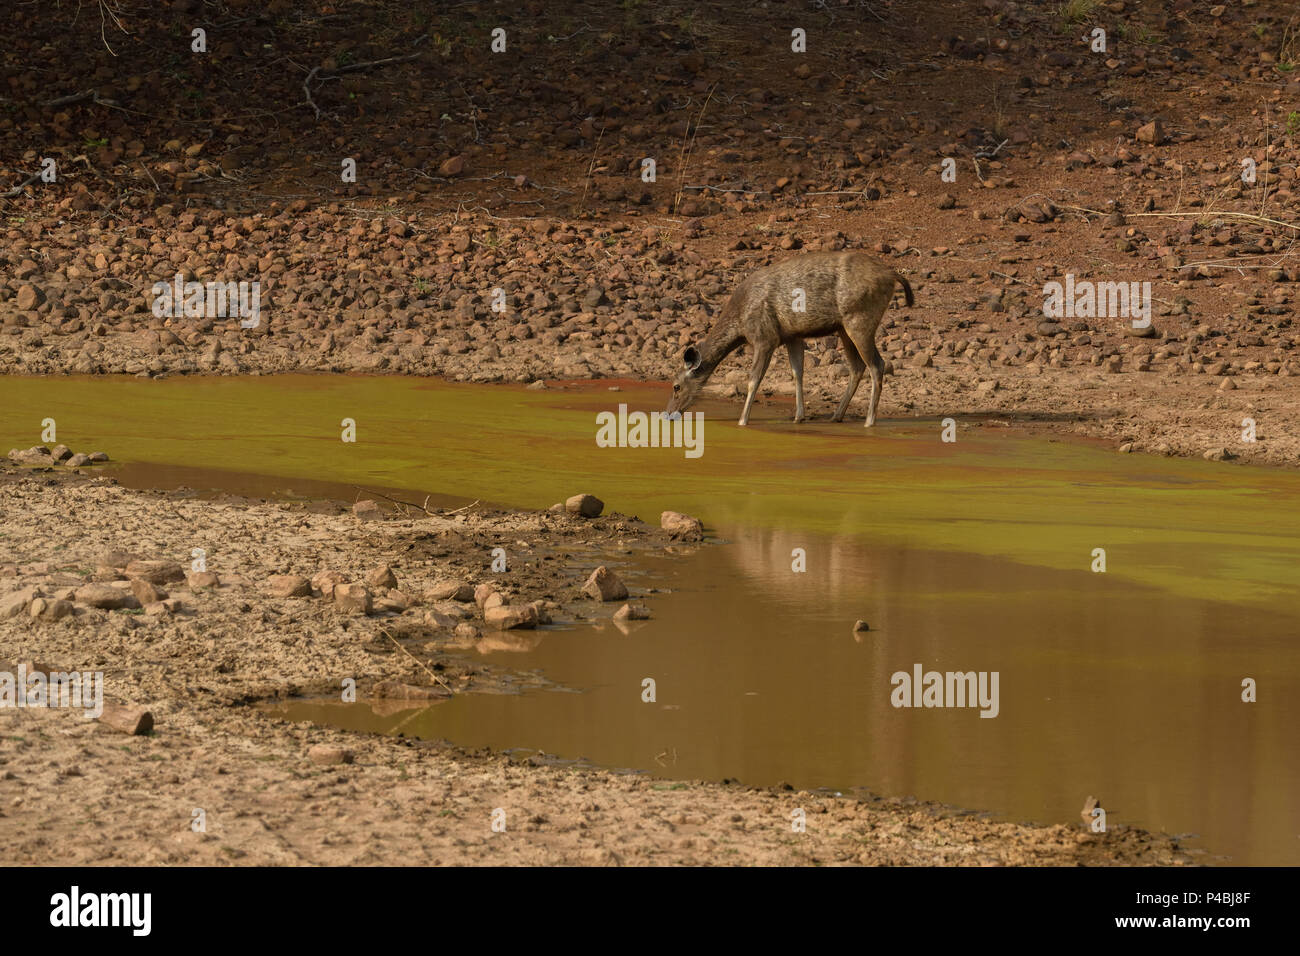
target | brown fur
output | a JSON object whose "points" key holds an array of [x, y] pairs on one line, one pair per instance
{"points": [[846, 293]]}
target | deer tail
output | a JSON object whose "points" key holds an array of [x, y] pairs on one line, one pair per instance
{"points": [[907, 288]]}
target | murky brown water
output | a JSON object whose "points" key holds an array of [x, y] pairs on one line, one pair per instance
{"points": [[1120, 694], [969, 557]]}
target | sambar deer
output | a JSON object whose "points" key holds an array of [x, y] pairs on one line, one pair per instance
{"points": [[810, 295]]}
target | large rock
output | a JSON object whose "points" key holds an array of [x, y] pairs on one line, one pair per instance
{"points": [[156, 572], [505, 617], [1153, 133], [352, 598], [604, 585], [589, 506], [453, 590], [681, 526], [288, 586], [382, 578], [105, 596], [482, 593], [327, 755], [202, 579], [16, 602], [36, 455], [326, 581], [368, 510], [145, 592], [50, 609]]}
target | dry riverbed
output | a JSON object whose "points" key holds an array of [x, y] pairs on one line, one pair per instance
{"points": [[199, 651]]}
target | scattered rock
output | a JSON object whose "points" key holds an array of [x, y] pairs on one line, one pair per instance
{"points": [[202, 579], [368, 510], [50, 609], [604, 585], [128, 720], [482, 593], [352, 599], [326, 581], [450, 590], [145, 592], [16, 602], [632, 612], [382, 578], [396, 690], [289, 586], [156, 572], [36, 455], [588, 506], [505, 617], [1152, 133], [681, 526], [328, 755], [105, 596]]}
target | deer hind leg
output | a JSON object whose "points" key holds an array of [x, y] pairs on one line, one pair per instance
{"points": [[856, 368], [762, 356], [794, 348], [864, 337]]}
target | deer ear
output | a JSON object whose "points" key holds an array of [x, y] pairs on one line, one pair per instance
{"points": [[691, 358]]}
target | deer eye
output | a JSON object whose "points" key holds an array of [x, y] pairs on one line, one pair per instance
{"points": [[677, 388]]}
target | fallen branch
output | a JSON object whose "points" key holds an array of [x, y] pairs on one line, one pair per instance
{"points": [[389, 635], [18, 190], [1237, 216], [396, 501], [324, 74], [91, 95]]}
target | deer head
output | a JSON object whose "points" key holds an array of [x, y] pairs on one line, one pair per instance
{"points": [[686, 389]]}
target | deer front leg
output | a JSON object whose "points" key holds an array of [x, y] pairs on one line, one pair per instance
{"points": [[856, 368], [794, 349], [762, 355]]}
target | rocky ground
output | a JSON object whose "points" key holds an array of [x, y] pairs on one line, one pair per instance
{"points": [[501, 227], [198, 650], [523, 172]]}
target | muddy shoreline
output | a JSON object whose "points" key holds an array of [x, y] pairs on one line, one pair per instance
{"points": [[275, 792]]}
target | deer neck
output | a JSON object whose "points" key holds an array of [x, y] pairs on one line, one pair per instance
{"points": [[724, 339]]}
